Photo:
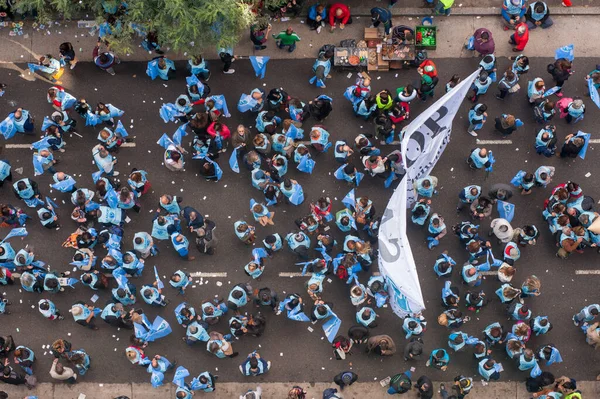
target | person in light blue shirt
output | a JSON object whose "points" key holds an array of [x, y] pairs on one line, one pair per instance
{"points": [[254, 365]]}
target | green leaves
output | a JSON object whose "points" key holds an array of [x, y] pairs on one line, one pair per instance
{"points": [[184, 25]]}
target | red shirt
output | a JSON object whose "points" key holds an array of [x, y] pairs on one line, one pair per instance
{"points": [[521, 40], [345, 13], [431, 74]]}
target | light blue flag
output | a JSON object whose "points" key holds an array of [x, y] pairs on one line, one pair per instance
{"points": [[41, 144], [114, 111], [359, 177], [91, 119], [167, 112], [36, 67], [165, 141], [180, 375], [565, 52], [259, 253], [295, 133], [586, 137], [8, 128], [47, 123], [140, 331], [218, 170], [260, 65], [111, 198], [518, 179], [64, 185], [306, 164], [221, 104], [246, 103], [96, 176], [296, 315], [331, 327], [593, 92], [68, 101], [192, 80], [16, 232], [349, 200], [179, 134], [120, 130], [388, 182], [156, 379], [159, 283], [506, 210], [38, 164], [555, 357], [551, 91], [233, 161], [297, 196], [535, 371], [152, 69], [324, 97], [160, 329], [492, 161]]}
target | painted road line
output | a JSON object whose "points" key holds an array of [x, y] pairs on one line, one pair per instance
{"points": [[205, 274], [287, 274], [392, 143], [506, 142], [587, 271], [490, 273], [28, 146], [595, 141]]}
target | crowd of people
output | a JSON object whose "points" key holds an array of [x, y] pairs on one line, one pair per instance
{"points": [[109, 265]]}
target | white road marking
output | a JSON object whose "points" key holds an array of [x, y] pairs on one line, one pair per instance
{"points": [[392, 143], [490, 273], [203, 274], [28, 146], [287, 274], [505, 142], [595, 141], [587, 271]]}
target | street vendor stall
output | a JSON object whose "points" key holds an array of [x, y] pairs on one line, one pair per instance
{"points": [[350, 57]]}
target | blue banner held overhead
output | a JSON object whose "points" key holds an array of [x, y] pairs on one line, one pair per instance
{"points": [[583, 150], [565, 52], [593, 92], [260, 65], [233, 161], [506, 210]]}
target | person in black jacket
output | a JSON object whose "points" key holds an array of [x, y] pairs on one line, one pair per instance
{"points": [[424, 387], [560, 71]]}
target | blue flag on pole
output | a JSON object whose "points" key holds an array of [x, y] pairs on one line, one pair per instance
{"points": [[40, 144], [246, 103], [180, 375], [51, 204], [565, 52], [586, 137], [295, 133], [91, 119], [96, 176], [331, 327], [306, 164], [192, 80], [114, 111], [160, 328], [16, 232], [349, 200], [359, 177], [518, 179], [260, 65], [159, 284], [179, 134], [492, 161], [47, 122], [111, 198], [506, 210], [165, 141], [593, 92], [167, 112], [38, 164], [221, 104], [8, 128], [120, 130], [152, 69], [233, 161], [551, 91]]}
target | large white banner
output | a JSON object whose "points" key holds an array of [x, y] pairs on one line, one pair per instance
{"points": [[396, 262], [426, 137]]}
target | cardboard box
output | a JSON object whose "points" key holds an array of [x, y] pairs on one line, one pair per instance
{"points": [[396, 64], [382, 65], [372, 33]]}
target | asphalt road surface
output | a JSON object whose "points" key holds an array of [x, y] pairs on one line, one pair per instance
{"points": [[297, 354]]}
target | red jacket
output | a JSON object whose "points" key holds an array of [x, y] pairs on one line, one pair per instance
{"points": [[225, 133], [345, 13], [521, 40]]}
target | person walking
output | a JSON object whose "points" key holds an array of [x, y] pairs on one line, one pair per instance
{"points": [[345, 378]]}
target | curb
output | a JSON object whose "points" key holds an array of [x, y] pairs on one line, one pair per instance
{"points": [[271, 390], [471, 11]]}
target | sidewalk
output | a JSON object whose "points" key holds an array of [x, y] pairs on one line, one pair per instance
{"points": [[371, 390], [452, 32]]}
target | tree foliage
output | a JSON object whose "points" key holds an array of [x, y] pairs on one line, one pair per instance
{"points": [[183, 25]]}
